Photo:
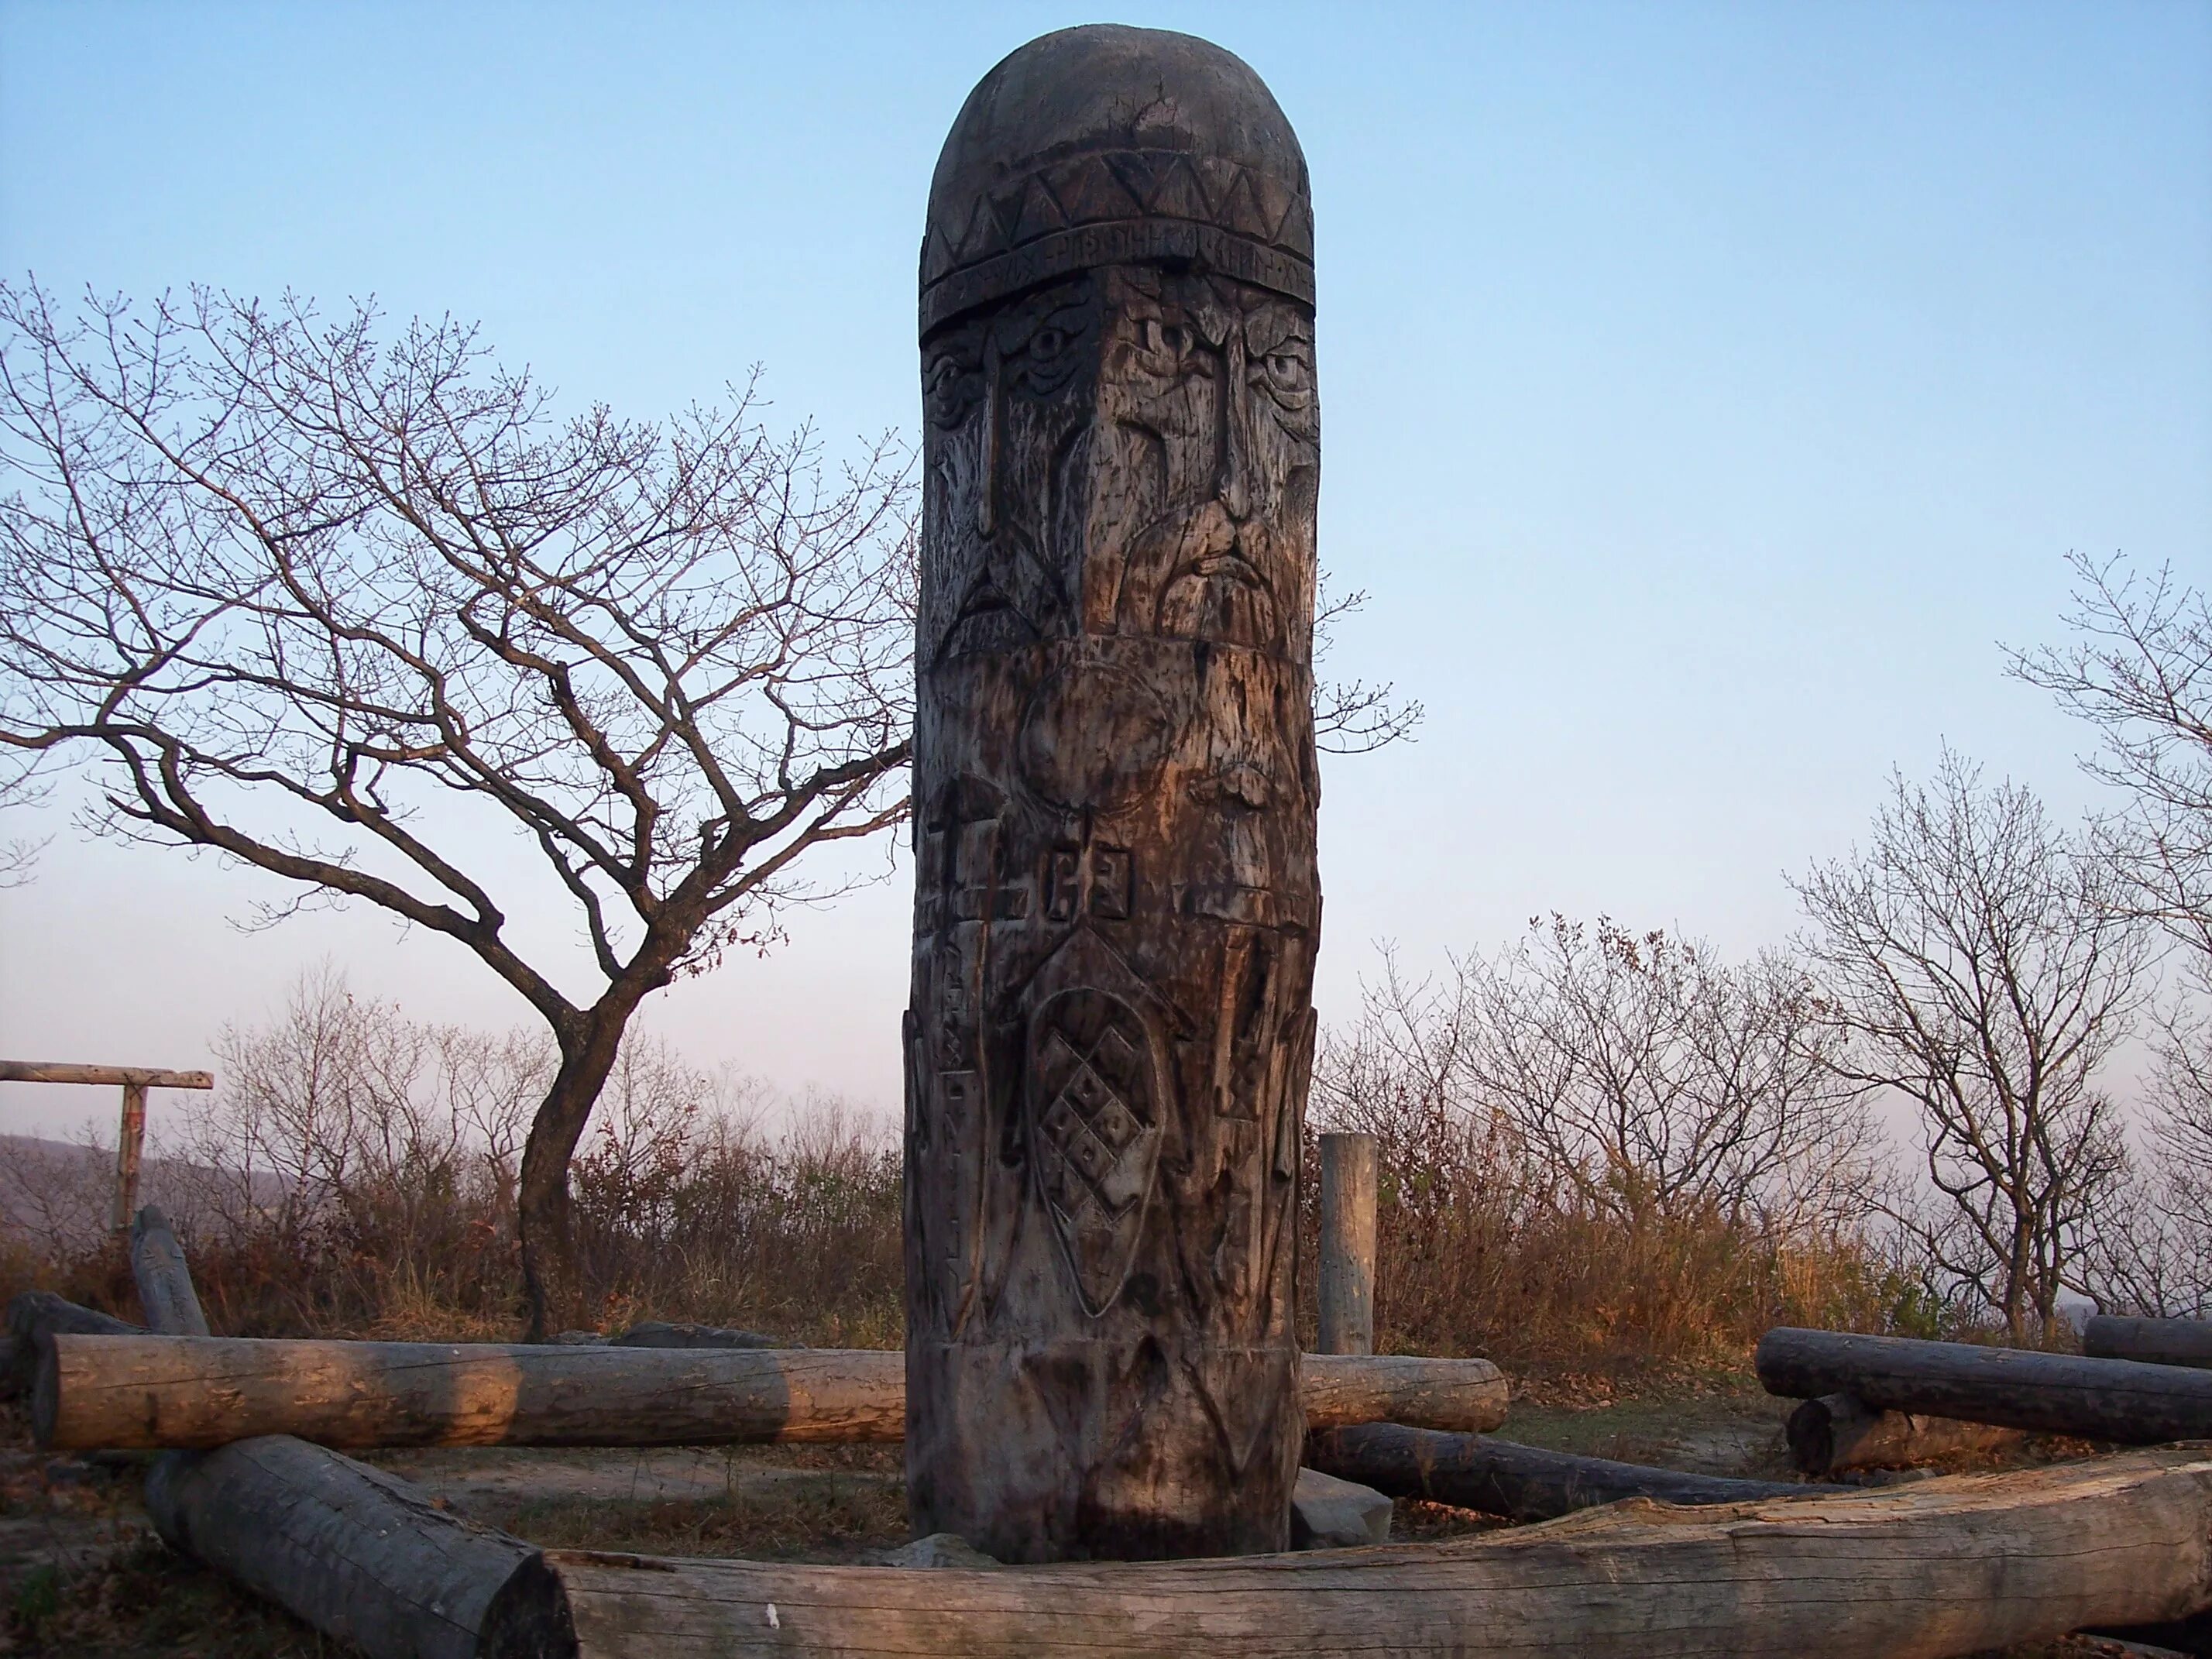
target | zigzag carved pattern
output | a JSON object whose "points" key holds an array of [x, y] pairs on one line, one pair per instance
{"points": [[1098, 188]]}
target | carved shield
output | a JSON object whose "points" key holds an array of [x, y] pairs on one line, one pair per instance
{"points": [[1093, 1102]]}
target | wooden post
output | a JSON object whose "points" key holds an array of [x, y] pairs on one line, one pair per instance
{"points": [[165, 1284], [1116, 896], [129, 1146], [1348, 1182], [131, 1137]]}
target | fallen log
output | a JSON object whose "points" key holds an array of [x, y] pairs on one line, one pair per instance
{"points": [[207, 1391], [2153, 1341], [1499, 1477], [1840, 1432], [661, 1334], [165, 1284], [2118, 1399], [1945, 1567], [34, 1319], [357, 1553]]}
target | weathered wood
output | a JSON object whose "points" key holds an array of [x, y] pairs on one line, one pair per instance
{"points": [[130, 1154], [1349, 1178], [1116, 903], [2152, 1341], [661, 1334], [1837, 1431], [2116, 1400], [141, 1077], [122, 1392], [1945, 1567], [1501, 1477], [165, 1284], [34, 1319], [357, 1553]]}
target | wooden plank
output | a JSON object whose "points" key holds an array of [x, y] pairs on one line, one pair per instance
{"points": [[207, 1391], [142, 1077], [2116, 1400], [1838, 1432], [1500, 1477], [1349, 1179], [2152, 1341], [1941, 1568]]}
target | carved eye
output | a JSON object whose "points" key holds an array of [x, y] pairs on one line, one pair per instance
{"points": [[1048, 344], [1288, 373], [948, 391]]}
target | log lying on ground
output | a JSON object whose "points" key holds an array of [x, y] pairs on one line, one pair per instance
{"points": [[2153, 1341], [1944, 1567], [355, 1553], [199, 1392], [34, 1319], [1840, 1432], [662, 1333], [2118, 1399], [1499, 1477]]}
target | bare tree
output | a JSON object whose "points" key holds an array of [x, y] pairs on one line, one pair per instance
{"points": [[1650, 1076], [330, 605], [1976, 957], [2139, 669]]}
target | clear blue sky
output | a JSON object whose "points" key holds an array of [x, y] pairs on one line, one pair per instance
{"points": [[1708, 391]]}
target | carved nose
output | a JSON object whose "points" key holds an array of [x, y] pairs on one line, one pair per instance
{"points": [[1234, 489]]}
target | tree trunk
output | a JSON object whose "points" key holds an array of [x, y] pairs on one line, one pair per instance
{"points": [[163, 1391], [1837, 1431], [1947, 1567], [2116, 1400], [1498, 1477], [589, 1049]]}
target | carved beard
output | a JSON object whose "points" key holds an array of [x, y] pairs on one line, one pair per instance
{"points": [[1209, 414]]}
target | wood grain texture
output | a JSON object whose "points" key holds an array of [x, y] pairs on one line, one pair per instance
{"points": [[124, 1392], [1944, 1567], [1837, 1431], [359, 1554], [1116, 901], [1350, 1174], [2116, 1400], [2153, 1341], [1500, 1477]]}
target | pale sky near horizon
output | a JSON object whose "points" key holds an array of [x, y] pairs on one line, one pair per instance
{"points": [[1709, 389]]}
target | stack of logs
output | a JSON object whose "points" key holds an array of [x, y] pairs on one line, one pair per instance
{"points": [[254, 1479]]}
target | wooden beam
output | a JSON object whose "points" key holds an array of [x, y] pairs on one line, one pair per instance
{"points": [[1942, 1568], [1348, 1183], [34, 1319], [1500, 1477], [196, 1392], [141, 1077], [2116, 1400], [2153, 1341], [1840, 1432]]}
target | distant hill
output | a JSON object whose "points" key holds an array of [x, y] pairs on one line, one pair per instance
{"points": [[57, 1193]]}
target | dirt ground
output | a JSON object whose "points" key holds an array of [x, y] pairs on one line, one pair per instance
{"points": [[81, 1575]]}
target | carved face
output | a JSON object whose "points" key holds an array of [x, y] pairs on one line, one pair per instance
{"points": [[1149, 440], [1207, 465], [1009, 400]]}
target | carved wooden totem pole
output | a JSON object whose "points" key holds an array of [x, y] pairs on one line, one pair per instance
{"points": [[1116, 903]]}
